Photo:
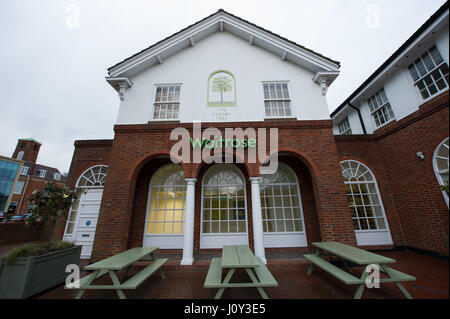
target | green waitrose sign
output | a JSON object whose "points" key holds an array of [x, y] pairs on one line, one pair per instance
{"points": [[221, 142]]}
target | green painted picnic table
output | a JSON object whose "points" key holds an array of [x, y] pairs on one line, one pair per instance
{"points": [[117, 263], [360, 257], [235, 257]]}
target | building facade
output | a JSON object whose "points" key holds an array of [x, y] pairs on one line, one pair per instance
{"points": [[32, 176], [9, 174], [224, 137]]}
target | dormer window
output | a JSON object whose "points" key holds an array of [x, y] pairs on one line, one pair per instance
{"points": [[42, 173], [430, 73], [277, 102], [167, 102], [56, 176], [380, 108], [344, 127]]}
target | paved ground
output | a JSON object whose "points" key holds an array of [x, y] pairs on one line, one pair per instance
{"points": [[432, 282]]}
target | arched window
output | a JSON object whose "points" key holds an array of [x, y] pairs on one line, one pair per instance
{"points": [[280, 201], [440, 164], [223, 200], [166, 204], [363, 197], [93, 177]]}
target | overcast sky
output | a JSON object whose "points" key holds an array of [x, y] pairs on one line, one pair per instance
{"points": [[54, 54]]}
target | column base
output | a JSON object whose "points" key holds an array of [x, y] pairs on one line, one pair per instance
{"points": [[263, 259], [187, 261]]}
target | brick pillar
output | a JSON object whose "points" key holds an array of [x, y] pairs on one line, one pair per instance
{"points": [[333, 211]]}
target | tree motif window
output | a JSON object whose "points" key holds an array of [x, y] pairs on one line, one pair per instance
{"points": [[167, 199], [280, 202], [221, 89], [363, 197], [440, 164], [223, 200]]}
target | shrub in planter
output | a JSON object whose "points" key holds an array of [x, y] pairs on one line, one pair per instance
{"points": [[30, 269]]}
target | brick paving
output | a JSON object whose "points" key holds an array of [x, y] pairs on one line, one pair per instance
{"points": [[187, 282]]}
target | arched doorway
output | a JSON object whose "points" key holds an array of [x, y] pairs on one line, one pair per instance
{"points": [[223, 208], [282, 211], [369, 219], [164, 223], [83, 215]]}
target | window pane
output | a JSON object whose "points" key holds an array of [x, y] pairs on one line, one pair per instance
{"points": [[428, 62], [436, 56], [413, 71]]}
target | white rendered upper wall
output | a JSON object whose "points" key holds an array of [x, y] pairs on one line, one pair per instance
{"points": [[250, 66], [403, 95]]}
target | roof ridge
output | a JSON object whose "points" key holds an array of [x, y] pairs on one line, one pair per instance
{"points": [[234, 16]]}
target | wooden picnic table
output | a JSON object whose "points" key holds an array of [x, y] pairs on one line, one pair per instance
{"points": [[360, 257], [233, 258], [117, 263]]}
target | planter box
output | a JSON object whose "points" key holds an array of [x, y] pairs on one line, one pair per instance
{"points": [[28, 276]]}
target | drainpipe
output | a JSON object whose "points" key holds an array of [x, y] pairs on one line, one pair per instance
{"points": [[360, 117]]}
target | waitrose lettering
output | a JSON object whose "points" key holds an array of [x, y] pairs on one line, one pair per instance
{"points": [[223, 142]]}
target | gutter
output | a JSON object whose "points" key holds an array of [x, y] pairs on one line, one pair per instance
{"points": [[360, 117]]}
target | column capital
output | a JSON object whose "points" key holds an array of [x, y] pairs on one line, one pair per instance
{"points": [[255, 180], [190, 180]]}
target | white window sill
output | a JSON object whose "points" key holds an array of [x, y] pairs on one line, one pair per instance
{"points": [[162, 120], [433, 96], [382, 125], [279, 117]]}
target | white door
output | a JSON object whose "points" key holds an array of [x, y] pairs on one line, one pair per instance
{"points": [[85, 221]]}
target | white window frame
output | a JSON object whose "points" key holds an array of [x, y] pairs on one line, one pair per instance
{"points": [[437, 171], [344, 126], [42, 173], [25, 170], [56, 176], [159, 103], [368, 237], [277, 99], [379, 102], [429, 71], [216, 240]]}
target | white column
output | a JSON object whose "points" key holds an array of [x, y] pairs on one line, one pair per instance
{"points": [[257, 219], [188, 246]]}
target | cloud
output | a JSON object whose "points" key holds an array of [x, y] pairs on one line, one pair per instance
{"points": [[52, 73]]}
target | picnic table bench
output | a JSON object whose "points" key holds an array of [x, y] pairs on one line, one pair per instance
{"points": [[113, 265], [360, 257], [233, 258]]}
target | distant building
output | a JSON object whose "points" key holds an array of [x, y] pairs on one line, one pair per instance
{"points": [[32, 176]]}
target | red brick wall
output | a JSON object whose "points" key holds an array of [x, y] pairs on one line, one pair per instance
{"points": [[415, 207], [18, 232], [310, 142]]}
